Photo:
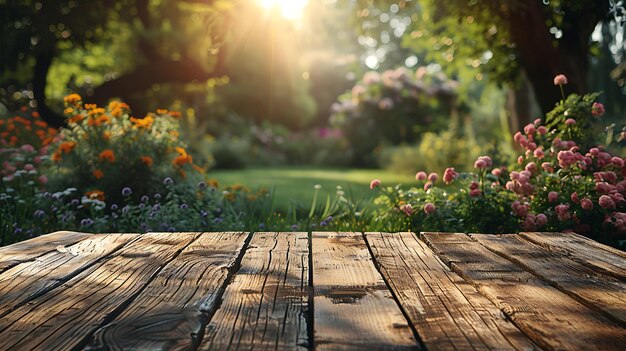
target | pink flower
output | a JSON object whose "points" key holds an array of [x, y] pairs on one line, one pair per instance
{"points": [[617, 161], [480, 164], [29, 167], [407, 209], [385, 104], [429, 208], [428, 185], [449, 175], [542, 130], [433, 177], [420, 176], [597, 109], [538, 153], [531, 167], [553, 196], [473, 185], [374, 183], [605, 201], [570, 121], [27, 148], [519, 209], [474, 192], [496, 172], [517, 137], [566, 158], [43, 179], [529, 129], [574, 197], [560, 79], [562, 212], [520, 160], [541, 220], [547, 166], [586, 204]]}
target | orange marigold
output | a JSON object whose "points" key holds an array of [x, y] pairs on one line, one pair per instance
{"points": [[161, 111], [102, 120], [96, 111], [41, 124], [76, 119], [56, 156], [175, 114], [90, 106], [107, 155], [72, 99], [68, 111], [182, 160], [142, 122], [97, 174], [35, 114], [147, 160], [67, 147], [181, 151], [106, 135], [95, 195]]}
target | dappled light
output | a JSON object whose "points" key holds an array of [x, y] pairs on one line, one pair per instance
{"points": [[164, 116]]}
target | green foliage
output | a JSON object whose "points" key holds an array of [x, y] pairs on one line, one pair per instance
{"points": [[579, 108]]}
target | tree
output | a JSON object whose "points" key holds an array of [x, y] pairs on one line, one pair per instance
{"points": [[503, 38], [35, 32]]}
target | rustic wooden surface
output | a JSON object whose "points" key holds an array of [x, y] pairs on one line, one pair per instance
{"points": [[279, 291]]}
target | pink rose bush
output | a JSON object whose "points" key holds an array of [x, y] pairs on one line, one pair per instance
{"points": [[564, 180]]}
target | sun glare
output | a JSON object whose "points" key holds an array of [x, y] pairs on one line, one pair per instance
{"points": [[289, 9]]}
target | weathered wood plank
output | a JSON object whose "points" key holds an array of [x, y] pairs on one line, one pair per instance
{"points": [[31, 249], [598, 291], [168, 314], [552, 319], [30, 279], [353, 307], [64, 319], [264, 307], [447, 312], [584, 250]]}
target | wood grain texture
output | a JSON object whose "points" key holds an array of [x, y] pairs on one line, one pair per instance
{"points": [[599, 291], [168, 313], [552, 319], [32, 278], [31, 249], [447, 312], [353, 308], [64, 318], [265, 305], [584, 250]]}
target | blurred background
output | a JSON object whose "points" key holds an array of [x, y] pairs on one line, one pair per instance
{"points": [[310, 88]]}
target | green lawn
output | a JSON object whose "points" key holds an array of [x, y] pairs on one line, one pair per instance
{"points": [[294, 185]]}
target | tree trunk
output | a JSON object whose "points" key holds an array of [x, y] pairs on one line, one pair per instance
{"points": [[40, 78], [542, 58]]}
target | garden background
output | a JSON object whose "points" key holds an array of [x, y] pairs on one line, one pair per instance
{"points": [[208, 115]]}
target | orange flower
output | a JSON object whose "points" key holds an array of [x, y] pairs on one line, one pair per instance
{"points": [[97, 174], [68, 111], [96, 112], [41, 124], [174, 133], [198, 168], [142, 122], [182, 160], [35, 114], [95, 195], [72, 99], [76, 119], [213, 183], [181, 151], [106, 135], [103, 119], [175, 114], [162, 111], [56, 156], [67, 147], [117, 108], [90, 106], [107, 155], [147, 160]]}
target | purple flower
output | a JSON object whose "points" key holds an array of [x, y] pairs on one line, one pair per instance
{"points": [[126, 191], [204, 213], [202, 185], [145, 198], [86, 222], [39, 214], [171, 229], [156, 207], [74, 202], [294, 227], [114, 207], [184, 206], [157, 196], [168, 181], [261, 226]]}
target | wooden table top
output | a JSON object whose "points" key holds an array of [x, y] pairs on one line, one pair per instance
{"points": [[326, 291]]}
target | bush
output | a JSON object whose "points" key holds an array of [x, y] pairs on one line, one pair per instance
{"points": [[392, 108], [105, 150], [564, 181]]}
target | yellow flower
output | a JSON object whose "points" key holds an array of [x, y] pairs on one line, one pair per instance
{"points": [[68, 111], [107, 155]]}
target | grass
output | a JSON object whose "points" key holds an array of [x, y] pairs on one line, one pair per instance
{"points": [[293, 186]]}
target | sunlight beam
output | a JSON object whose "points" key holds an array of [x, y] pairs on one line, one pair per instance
{"points": [[289, 9]]}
